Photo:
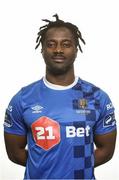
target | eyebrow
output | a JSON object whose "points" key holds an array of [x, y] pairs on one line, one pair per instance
{"points": [[53, 40]]}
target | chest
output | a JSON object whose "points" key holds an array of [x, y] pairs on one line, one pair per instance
{"points": [[64, 108]]}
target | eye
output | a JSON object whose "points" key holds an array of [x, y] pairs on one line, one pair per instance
{"points": [[66, 44], [51, 44]]}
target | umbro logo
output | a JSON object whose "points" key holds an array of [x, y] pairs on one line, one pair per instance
{"points": [[37, 109]]}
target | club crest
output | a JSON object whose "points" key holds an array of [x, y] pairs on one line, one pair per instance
{"points": [[82, 103]]}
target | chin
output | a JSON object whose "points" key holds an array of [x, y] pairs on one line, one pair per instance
{"points": [[58, 71]]}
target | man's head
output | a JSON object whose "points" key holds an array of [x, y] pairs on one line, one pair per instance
{"points": [[60, 42], [59, 23]]}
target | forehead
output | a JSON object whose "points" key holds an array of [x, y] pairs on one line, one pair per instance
{"points": [[59, 33]]}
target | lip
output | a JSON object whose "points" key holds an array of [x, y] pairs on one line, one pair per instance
{"points": [[58, 58]]}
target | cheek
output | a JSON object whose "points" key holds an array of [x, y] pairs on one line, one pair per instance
{"points": [[72, 54], [75, 53], [45, 54]]}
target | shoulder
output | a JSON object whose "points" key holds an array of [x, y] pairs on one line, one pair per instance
{"points": [[100, 97], [26, 92], [31, 86], [90, 89]]}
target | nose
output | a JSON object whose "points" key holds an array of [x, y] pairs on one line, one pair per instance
{"points": [[58, 49]]}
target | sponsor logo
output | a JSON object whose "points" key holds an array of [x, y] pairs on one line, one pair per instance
{"points": [[72, 131], [8, 120], [109, 106], [46, 132], [9, 108], [37, 109], [109, 120]]}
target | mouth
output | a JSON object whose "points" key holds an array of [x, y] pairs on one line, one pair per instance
{"points": [[58, 59]]}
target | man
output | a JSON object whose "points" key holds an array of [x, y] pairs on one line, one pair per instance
{"points": [[61, 116]]}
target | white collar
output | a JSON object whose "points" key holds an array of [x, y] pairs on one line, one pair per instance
{"points": [[58, 87]]}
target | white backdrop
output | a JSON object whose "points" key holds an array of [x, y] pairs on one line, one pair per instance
{"points": [[20, 64]]}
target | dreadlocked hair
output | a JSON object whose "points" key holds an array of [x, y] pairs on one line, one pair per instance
{"points": [[59, 23]]}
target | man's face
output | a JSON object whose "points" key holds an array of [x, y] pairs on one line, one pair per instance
{"points": [[59, 50]]}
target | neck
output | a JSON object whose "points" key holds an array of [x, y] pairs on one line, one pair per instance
{"points": [[62, 79]]}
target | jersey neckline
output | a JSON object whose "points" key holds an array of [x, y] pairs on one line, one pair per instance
{"points": [[58, 87]]}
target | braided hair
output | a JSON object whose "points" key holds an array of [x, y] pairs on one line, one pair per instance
{"points": [[59, 23]]}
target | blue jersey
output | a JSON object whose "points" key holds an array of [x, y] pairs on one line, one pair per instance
{"points": [[60, 124]]}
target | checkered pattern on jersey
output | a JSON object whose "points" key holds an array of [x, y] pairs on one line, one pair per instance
{"points": [[83, 154], [83, 149]]}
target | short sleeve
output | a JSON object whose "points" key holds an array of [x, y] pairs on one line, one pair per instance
{"points": [[106, 122], [14, 122]]}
